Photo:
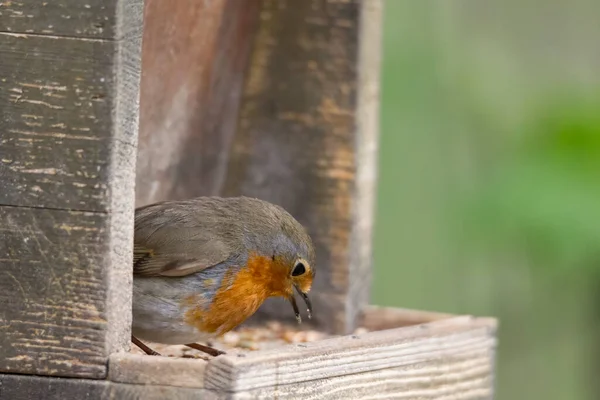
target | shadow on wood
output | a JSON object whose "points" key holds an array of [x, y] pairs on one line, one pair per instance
{"points": [[194, 57]]}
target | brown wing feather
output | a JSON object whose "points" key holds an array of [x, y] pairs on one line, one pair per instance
{"points": [[181, 238], [148, 263]]}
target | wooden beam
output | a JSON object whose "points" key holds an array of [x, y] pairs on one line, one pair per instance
{"points": [[194, 58], [25, 387], [307, 140], [69, 84], [94, 19]]}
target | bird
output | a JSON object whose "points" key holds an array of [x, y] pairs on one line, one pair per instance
{"points": [[202, 266]]}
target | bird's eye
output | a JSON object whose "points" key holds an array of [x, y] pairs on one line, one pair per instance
{"points": [[299, 269]]}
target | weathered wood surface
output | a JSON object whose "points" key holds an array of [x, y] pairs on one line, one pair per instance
{"points": [[52, 290], [451, 357], [27, 387], [378, 318], [119, 391], [307, 140], [440, 357], [194, 57], [68, 134], [56, 100], [167, 371], [75, 18]]}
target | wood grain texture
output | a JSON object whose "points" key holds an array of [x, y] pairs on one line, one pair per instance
{"points": [[194, 58], [460, 378], [53, 292], [89, 18], [378, 318], [166, 371], [120, 391], [117, 266], [446, 358], [307, 140], [308, 128], [366, 144], [452, 357], [24, 387], [68, 133], [56, 99]]}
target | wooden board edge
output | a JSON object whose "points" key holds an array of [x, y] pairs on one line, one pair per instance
{"points": [[162, 371], [377, 318], [125, 391], [366, 147], [130, 20], [447, 326], [241, 372], [234, 371], [28, 387], [456, 379], [379, 350]]}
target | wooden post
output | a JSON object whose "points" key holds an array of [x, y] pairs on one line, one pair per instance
{"points": [[307, 139], [69, 82]]}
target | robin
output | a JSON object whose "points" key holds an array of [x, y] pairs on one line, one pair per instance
{"points": [[203, 266]]}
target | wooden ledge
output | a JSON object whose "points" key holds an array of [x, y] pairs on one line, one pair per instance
{"points": [[162, 371], [417, 353]]}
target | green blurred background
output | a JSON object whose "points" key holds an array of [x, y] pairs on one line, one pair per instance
{"points": [[489, 191]]}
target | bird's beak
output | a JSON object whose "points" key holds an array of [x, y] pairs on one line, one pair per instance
{"points": [[292, 300]]}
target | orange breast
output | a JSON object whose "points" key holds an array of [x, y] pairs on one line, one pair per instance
{"points": [[240, 295]]}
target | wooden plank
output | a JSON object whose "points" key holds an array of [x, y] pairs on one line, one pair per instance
{"points": [[59, 136], [25, 387], [68, 131], [52, 288], [57, 126], [90, 18], [307, 140], [447, 358], [441, 358], [190, 94], [120, 391], [466, 377], [375, 318], [166, 371]]}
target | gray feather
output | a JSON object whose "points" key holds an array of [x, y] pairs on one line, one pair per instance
{"points": [[177, 238]]}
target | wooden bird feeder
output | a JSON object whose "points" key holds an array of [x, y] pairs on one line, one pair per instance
{"points": [[276, 99]]}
